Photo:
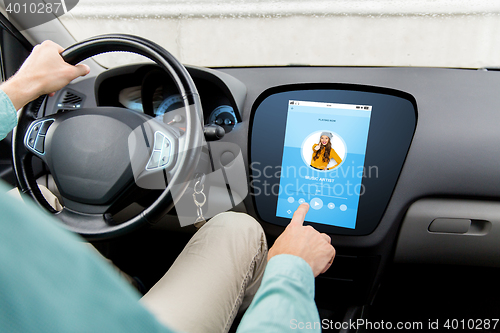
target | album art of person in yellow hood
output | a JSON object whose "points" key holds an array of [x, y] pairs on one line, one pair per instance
{"points": [[323, 152]]}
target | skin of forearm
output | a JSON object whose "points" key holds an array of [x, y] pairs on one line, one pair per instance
{"points": [[19, 92]]}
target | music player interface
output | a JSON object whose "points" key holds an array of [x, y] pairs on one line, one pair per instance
{"points": [[323, 161]]}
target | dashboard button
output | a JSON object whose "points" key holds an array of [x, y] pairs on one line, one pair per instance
{"points": [[331, 205], [316, 203], [343, 208]]}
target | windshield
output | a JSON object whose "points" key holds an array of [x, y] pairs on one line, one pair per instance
{"points": [[221, 33]]}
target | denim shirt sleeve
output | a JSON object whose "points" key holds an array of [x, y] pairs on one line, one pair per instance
{"points": [[8, 115], [285, 299]]}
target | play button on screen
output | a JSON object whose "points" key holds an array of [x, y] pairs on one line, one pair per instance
{"points": [[316, 203]]}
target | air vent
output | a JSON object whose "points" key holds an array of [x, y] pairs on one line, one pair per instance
{"points": [[70, 100]]}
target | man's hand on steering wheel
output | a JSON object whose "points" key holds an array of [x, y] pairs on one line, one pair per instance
{"points": [[43, 72]]}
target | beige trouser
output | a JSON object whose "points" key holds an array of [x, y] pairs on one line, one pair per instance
{"points": [[218, 272], [216, 275]]}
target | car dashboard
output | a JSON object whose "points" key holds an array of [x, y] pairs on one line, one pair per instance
{"points": [[435, 198]]}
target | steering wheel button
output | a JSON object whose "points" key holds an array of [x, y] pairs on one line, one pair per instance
{"points": [[45, 127], [40, 144], [154, 160], [32, 138], [158, 140], [163, 160], [165, 156]]}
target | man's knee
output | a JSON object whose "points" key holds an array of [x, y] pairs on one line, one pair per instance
{"points": [[237, 226], [236, 222]]}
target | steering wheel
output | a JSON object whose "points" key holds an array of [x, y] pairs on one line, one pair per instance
{"points": [[99, 155]]}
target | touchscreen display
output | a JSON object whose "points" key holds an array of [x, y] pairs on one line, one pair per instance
{"points": [[323, 161]]}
